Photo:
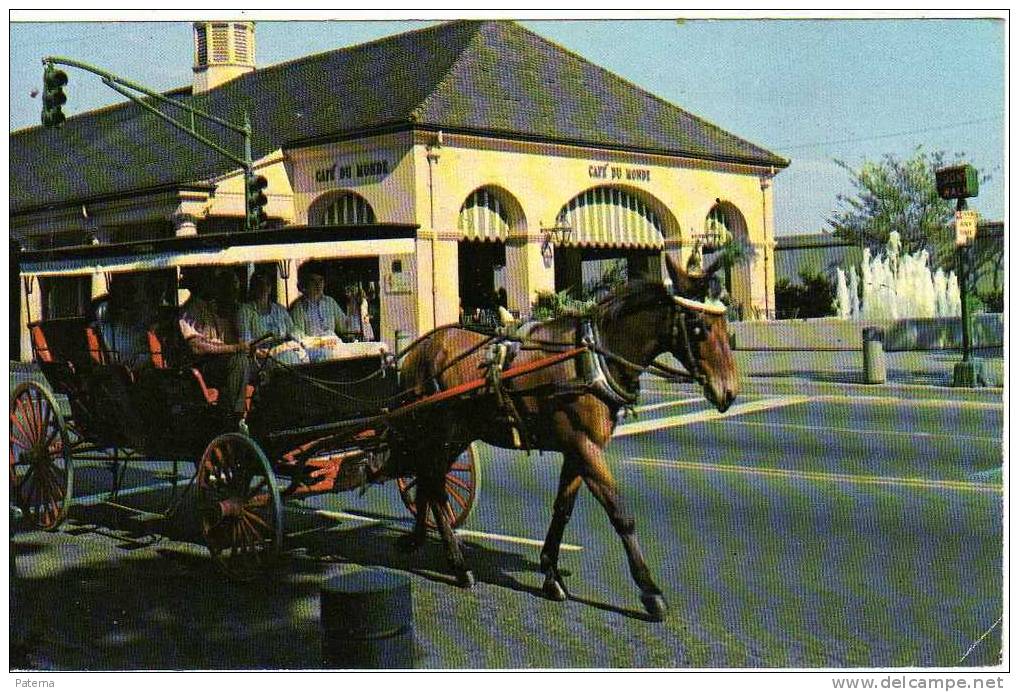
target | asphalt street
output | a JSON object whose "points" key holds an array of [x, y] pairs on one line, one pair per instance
{"points": [[814, 524]]}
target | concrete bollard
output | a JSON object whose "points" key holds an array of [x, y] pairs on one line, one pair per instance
{"points": [[366, 620], [874, 368]]}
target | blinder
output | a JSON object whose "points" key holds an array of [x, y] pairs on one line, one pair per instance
{"points": [[689, 329]]}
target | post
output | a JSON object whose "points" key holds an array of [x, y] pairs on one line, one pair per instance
{"points": [[962, 254], [366, 618], [874, 367]]}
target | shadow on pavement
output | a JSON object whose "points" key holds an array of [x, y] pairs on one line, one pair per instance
{"points": [[84, 604]]}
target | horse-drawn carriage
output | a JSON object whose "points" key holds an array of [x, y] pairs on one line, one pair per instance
{"points": [[556, 385], [309, 429]]}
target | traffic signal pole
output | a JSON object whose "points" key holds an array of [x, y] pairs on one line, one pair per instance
{"points": [[963, 260], [125, 88]]}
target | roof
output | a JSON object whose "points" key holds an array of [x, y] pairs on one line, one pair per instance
{"points": [[490, 77]]}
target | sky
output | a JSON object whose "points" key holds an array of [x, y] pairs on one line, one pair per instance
{"points": [[813, 91]]}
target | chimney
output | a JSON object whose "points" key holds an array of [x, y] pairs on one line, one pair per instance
{"points": [[223, 51]]}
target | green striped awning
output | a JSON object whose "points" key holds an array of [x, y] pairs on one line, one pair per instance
{"points": [[610, 217]]}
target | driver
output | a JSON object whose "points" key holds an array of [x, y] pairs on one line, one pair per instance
{"points": [[207, 325]]}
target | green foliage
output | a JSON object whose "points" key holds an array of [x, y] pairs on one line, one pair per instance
{"points": [[550, 305], [898, 195], [814, 296]]}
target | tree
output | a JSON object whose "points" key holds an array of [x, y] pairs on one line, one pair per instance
{"points": [[899, 195]]}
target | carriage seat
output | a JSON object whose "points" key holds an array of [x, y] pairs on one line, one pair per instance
{"points": [[211, 394], [40, 346]]}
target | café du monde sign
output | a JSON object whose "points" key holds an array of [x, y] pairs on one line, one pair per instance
{"points": [[603, 171], [352, 171]]}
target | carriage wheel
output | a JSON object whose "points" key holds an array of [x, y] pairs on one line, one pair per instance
{"points": [[239, 503], [463, 483], [42, 476]]}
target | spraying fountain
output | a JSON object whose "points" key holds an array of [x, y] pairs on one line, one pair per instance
{"points": [[896, 286]]}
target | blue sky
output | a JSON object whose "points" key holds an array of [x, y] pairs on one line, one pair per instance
{"points": [[810, 90]]}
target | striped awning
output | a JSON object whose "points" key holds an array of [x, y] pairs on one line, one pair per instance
{"points": [[85, 266], [483, 217], [610, 217]]}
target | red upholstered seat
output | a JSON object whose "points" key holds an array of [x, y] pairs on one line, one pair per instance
{"points": [[211, 394], [95, 346], [40, 345]]}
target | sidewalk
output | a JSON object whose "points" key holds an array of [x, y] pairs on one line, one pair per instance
{"points": [[925, 368]]}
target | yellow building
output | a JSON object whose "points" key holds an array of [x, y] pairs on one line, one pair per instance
{"points": [[489, 139]]}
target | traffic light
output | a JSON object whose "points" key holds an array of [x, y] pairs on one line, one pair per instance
{"points": [[255, 201], [53, 96]]}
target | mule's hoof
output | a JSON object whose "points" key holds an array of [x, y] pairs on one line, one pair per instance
{"points": [[466, 579], [654, 604], [553, 590], [407, 543]]}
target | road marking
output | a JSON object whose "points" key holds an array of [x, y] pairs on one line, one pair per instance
{"points": [[513, 539], [123, 492], [667, 404], [937, 403], [460, 532], [869, 431], [822, 476], [709, 415]]}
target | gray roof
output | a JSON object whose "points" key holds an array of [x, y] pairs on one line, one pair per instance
{"points": [[490, 77]]}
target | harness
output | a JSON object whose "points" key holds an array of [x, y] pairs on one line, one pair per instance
{"points": [[594, 374]]}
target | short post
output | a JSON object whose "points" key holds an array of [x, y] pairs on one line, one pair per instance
{"points": [[874, 368], [366, 618]]}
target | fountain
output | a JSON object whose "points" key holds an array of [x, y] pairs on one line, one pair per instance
{"points": [[896, 286]]}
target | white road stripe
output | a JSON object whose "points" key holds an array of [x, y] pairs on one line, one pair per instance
{"points": [[667, 404], [460, 532], [513, 539], [125, 492], [822, 476], [709, 415], [869, 431]]}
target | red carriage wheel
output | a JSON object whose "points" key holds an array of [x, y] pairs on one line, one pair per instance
{"points": [[239, 503], [463, 483], [42, 476]]}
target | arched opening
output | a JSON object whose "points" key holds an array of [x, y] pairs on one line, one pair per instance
{"points": [[341, 209], [725, 224], [486, 217], [347, 280], [617, 235]]}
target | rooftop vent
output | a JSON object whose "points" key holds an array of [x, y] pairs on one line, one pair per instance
{"points": [[223, 51]]}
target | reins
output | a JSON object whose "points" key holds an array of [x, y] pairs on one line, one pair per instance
{"points": [[678, 332]]}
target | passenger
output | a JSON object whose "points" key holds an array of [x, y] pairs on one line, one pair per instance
{"points": [[123, 324], [261, 316], [359, 314], [318, 317], [207, 325]]}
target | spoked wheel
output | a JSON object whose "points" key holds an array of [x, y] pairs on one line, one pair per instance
{"points": [[242, 516], [42, 476], [463, 483]]}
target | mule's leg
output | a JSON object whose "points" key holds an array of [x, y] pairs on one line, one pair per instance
{"points": [[409, 542], [602, 485], [566, 497], [443, 521]]}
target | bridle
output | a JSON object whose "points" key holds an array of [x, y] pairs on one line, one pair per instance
{"points": [[687, 328]]}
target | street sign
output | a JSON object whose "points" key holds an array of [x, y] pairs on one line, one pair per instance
{"points": [[957, 182], [965, 226]]}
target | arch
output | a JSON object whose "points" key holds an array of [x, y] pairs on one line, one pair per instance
{"points": [[725, 221], [617, 216], [490, 213], [340, 208]]}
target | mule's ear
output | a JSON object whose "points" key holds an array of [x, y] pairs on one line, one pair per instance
{"points": [[684, 283]]}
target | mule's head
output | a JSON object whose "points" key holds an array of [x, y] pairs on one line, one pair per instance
{"points": [[699, 337]]}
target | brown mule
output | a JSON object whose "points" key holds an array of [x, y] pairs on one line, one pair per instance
{"points": [[557, 408]]}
